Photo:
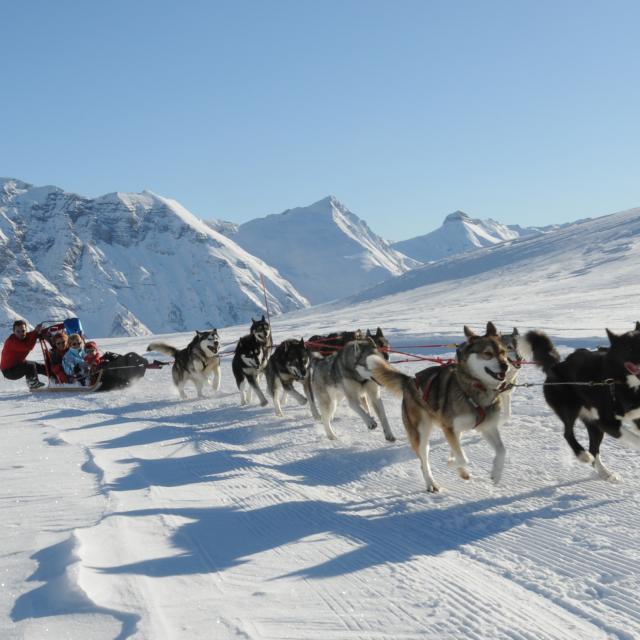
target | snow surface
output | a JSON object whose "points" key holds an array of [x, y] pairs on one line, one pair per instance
{"points": [[324, 250], [136, 515]]}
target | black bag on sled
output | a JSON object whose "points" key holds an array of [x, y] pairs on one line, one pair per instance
{"points": [[121, 370]]}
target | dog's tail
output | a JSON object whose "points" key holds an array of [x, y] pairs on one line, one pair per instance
{"points": [[396, 381], [537, 346], [163, 347]]}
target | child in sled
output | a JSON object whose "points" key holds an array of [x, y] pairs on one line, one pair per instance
{"points": [[73, 362]]}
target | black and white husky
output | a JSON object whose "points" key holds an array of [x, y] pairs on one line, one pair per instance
{"points": [[249, 361], [261, 331], [603, 408], [288, 364], [195, 362]]}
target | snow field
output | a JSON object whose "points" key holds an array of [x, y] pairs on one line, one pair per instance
{"points": [[133, 514]]}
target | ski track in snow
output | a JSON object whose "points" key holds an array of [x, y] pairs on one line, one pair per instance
{"points": [[135, 515]]}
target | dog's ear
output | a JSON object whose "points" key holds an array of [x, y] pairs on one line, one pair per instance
{"points": [[368, 333], [262, 320], [286, 346], [515, 332], [469, 333], [637, 326], [612, 336], [491, 329], [302, 342], [252, 320], [379, 332]]}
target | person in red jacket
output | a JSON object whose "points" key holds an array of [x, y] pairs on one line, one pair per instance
{"points": [[14, 363]]}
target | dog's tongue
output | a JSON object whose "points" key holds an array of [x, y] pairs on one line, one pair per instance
{"points": [[632, 368]]}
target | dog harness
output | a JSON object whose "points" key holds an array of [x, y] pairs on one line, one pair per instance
{"points": [[481, 412]]}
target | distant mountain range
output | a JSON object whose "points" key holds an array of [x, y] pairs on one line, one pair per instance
{"points": [[460, 233]]}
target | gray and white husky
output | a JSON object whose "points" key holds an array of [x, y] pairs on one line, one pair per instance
{"points": [[458, 397], [511, 343], [195, 362], [288, 364], [348, 373]]}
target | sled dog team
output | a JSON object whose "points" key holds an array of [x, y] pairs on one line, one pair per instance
{"points": [[600, 388]]}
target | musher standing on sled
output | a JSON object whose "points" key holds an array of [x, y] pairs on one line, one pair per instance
{"points": [[14, 363]]}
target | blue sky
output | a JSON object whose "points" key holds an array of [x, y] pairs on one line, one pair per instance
{"points": [[526, 112]]}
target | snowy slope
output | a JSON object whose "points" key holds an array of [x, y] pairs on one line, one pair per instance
{"points": [[324, 250], [571, 275], [125, 263], [460, 233]]}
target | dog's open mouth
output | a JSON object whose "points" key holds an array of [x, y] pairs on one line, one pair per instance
{"points": [[500, 375], [632, 368]]}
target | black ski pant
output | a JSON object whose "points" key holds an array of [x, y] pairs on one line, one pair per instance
{"points": [[27, 369]]}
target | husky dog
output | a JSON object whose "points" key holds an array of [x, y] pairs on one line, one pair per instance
{"points": [[602, 409], [380, 341], [261, 331], [459, 397], [288, 363], [510, 342], [195, 362], [348, 373], [248, 363], [319, 347]]}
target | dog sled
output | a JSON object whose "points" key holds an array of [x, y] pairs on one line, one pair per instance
{"points": [[115, 371]]}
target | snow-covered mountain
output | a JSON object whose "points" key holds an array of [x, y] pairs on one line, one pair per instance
{"points": [[127, 264], [556, 281], [324, 249], [460, 233]]}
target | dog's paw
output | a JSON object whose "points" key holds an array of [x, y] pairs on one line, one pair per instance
{"points": [[302, 401], [389, 437], [373, 425], [464, 473], [264, 403], [279, 414], [585, 456], [433, 488]]}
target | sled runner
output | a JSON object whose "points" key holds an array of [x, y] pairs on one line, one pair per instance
{"points": [[70, 386]]}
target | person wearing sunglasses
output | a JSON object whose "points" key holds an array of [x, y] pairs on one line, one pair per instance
{"points": [[17, 346]]}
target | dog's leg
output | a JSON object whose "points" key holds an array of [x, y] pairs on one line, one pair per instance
{"points": [[492, 436], [458, 457], [328, 403], [242, 387], [424, 433], [295, 393], [215, 381], [254, 385], [373, 393], [596, 434], [276, 399], [198, 382], [354, 403], [181, 391], [306, 385]]}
